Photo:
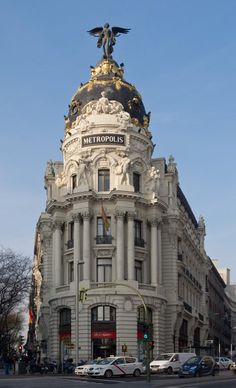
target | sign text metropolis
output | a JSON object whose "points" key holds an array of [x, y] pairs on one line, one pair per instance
{"points": [[108, 138]]}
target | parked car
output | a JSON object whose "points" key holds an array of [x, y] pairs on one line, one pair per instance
{"points": [[233, 367], [116, 366], [169, 362], [82, 370], [199, 366], [224, 362]]}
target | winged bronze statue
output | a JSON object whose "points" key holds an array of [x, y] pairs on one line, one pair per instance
{"points": [[107, 37]]}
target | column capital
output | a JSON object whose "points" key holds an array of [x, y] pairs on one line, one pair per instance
{"points": [[76, 217], [120, 214], [57, 224], [131, 215], [155, 221], [86, 214]]}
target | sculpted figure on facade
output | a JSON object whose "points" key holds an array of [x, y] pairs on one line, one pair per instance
{"points": [[153, 181], [49, 169], [123, 169], [60, 179], [83, 172], [103, 104]]}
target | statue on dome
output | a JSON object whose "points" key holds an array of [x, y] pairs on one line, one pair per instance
{"points": [[107, 37]]}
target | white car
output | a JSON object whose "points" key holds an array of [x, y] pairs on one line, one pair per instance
{"points": [[82, 370], [116, 366], [224, 362]]}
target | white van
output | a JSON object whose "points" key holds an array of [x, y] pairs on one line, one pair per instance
{"points": [[169, 362]]}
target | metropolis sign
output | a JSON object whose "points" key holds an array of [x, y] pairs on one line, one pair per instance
{"points": [[108, 138]]}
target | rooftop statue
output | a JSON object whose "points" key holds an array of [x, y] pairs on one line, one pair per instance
{"points": [[107, 37]]}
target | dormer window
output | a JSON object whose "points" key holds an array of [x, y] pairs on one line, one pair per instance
{"points": [[104, 180]]}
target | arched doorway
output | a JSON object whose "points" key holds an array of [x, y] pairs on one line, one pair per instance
{"points": [[183, 336], [64, 333], [103, 331], [196, 340]]}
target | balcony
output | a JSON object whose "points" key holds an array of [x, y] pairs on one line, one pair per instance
{"points": [[139, 242], [103, 239], [70, 244]]}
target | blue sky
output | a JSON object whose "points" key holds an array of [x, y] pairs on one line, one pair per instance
{"points": [[180, 55]]}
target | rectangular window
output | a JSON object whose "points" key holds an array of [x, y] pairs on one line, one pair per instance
{"points": [[71, 271], [104, 270], [136, 182], [103, 232], [103, 180], [70, 242], [138, 270], [74, 181], [138, 240]]}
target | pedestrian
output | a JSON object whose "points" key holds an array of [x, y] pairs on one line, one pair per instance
{"points": [[7, 363]]}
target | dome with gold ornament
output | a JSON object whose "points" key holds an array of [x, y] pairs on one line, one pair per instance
{"points": [[107, 77]]}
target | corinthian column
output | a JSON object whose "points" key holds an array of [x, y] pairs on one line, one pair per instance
{"points": [[159, 254], [120, 245], [56, 253], [130, 245], [86, 245], [76, 218], [154, 256]]}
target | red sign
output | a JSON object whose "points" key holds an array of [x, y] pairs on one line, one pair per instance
{"points": [[140, 335], [64, 335], [103, 334]]}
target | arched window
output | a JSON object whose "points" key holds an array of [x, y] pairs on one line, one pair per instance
{"points": [[141, 315], [103, 313], [65, 320]]}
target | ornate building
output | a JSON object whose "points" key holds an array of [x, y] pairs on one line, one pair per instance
{"points": [[118, 225]]}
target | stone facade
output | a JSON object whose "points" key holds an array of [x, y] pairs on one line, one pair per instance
{"points": [[118, 225]]}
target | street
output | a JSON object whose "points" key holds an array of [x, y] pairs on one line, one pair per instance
{"points": [[220, 381]]}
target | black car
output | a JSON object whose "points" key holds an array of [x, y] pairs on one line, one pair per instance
{"points": [[199, 366]]}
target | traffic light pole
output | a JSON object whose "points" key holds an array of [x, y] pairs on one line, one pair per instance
{"points": [[146, 317]]}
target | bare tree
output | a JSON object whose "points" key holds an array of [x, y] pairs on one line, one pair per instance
{"points": [[15, 277]]}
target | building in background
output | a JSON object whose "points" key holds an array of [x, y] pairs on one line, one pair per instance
{"points": [[118, 225]]}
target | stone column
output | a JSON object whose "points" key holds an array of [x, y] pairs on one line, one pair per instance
{"points": [[56, 249], [120, 245], [159, 268], [130, 245], [86, 245], [76, 237], [154, 252]]}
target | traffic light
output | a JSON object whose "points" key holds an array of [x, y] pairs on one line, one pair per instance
{"points": [[146, 333], [20, 349], [151, 344]]}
